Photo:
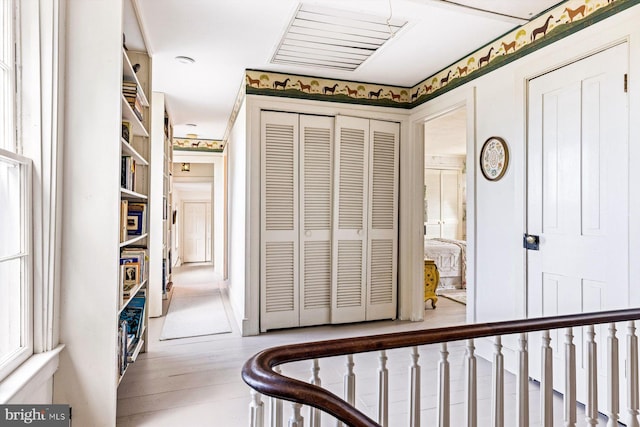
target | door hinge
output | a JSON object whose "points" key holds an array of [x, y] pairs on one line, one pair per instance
{"points": [[626, 82]]}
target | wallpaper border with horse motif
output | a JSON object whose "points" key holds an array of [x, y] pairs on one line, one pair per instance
{"points": [[198, 144], [548, 27]]}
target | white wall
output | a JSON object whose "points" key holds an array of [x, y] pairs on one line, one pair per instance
{"points": [[497, 209], [237, 212], [219, 216], [86, 378]]}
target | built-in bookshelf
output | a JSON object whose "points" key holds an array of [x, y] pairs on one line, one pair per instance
{"points": [[105, 42], [167, 217], [133, 277], [161, 216]]}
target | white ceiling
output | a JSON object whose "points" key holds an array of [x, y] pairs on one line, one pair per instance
{"points": [[225, 37]]}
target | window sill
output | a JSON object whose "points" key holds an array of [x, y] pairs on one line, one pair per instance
{"points": [[29, 376]]}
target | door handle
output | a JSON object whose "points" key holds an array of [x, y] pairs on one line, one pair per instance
{"points": [[531, 242]]}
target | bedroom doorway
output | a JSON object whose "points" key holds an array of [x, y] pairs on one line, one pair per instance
{"points": [[445, 149]]}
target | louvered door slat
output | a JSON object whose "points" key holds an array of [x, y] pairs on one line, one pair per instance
{"points": [[316, 181], [279, 293], [381, 280]]}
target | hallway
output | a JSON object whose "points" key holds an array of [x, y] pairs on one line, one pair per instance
{"points": [[196, 381]]}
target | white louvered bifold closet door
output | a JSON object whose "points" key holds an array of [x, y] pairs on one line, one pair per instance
{"points": [[349, 241], [316, 181], [279, 289], [382, 233]]}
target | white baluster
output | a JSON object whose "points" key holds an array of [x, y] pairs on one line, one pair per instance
{"points": [[632, 375], [471, 385], [314, 413], [296, 419], [497, 384], [256, 410], [522, 393], [383, 390], [414, 390], [570, 416], [613, 373], [546, 382], [443, 389], [591, 407], [349, 384], [276, 407]]}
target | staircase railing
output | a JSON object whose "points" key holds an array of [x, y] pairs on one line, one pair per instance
{"points": [[263, 373]]}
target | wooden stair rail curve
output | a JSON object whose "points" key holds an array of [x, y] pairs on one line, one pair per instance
{"points": [[258, 372]]}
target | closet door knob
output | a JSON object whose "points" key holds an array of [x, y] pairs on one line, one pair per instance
{"points": [[359, 232], [307, 233]]}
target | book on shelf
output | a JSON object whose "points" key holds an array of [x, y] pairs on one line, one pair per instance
{"points": [[128, 173], [134, 316], [133, 97], [131, 274], [130, 328], [136, 219], [137, 256], [122, 345], [126, 131], [124, 210]]}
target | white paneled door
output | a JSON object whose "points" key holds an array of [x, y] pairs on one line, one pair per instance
{"points": [[195, 235], [578, 185]]}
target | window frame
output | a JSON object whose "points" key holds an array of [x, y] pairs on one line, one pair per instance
{"points": [[14, 359], [38, 121]]}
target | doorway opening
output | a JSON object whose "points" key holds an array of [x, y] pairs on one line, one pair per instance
{"points": [[445, 228]]}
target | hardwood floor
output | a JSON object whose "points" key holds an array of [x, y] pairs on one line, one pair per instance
{"points": [[196, 381]]}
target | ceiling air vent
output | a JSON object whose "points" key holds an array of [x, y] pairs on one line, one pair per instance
{"points": [[333, 38]]}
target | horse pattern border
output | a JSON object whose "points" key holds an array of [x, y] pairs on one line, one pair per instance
{"points": [[550, 26], [197, 144]]}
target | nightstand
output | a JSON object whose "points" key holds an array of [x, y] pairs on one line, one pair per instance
{"points": [[431, 279]]}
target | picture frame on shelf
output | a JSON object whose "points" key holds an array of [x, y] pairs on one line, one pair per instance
{"points": [[131, 273], [126, 131], [135, 223]]}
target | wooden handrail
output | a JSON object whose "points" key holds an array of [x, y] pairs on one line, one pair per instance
{"points": [[258, 371]]}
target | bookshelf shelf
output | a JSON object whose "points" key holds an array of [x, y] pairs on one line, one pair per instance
{"points": [[137, 128], [128, 194], [128, 74], [133, 240], [136, 351], [134, 291], [129, 150]]}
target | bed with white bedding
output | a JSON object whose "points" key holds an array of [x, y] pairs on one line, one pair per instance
{"points": [[450, 257]]}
